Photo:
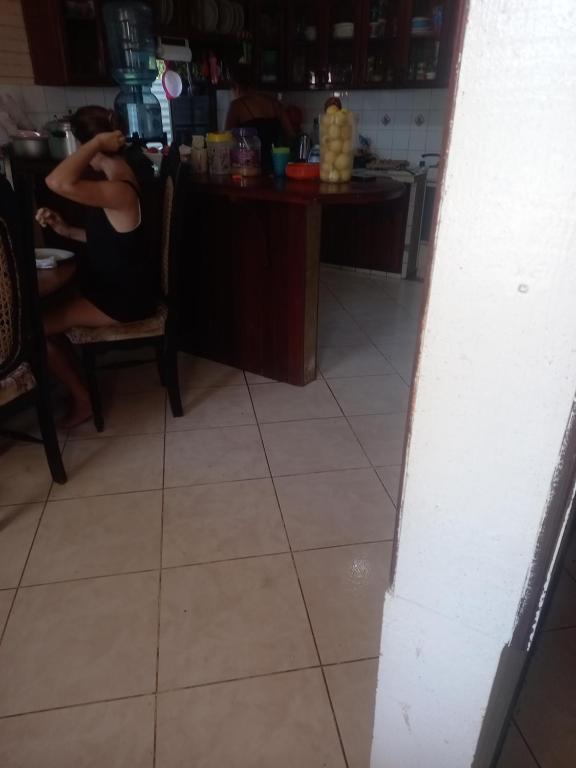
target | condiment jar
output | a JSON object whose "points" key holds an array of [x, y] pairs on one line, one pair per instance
{"points": [[247, 154], [219, 147], [199, 159]]}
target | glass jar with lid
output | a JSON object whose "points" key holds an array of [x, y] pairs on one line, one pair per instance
{"points": [[219, 146], [247, 153]]}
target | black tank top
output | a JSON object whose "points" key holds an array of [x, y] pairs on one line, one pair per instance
{"points": [[119, 271]]}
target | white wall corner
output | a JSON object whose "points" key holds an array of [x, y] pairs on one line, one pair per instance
{"points": [[494, 385]]}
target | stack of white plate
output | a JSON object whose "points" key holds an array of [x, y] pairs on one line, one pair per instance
{"points": [[344, 30], [166, 11], [226, 17], [238, 12], [208, 15]]}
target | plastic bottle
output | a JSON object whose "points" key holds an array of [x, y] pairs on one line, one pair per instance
{"points": [[247, 154]]}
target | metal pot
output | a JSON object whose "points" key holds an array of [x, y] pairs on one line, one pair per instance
{"points": [[61, 140], [30, 144]]}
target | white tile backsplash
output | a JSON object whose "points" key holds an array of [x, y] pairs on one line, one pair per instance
{"points": [[402, 138], [41, 103]]}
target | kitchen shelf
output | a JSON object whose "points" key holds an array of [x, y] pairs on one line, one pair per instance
{"points": [[425, 35]]}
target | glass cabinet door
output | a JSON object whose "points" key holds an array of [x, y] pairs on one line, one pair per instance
{"points": [[343, 30], [269, 30], [425, 34], [305, 43], [381, 44]]}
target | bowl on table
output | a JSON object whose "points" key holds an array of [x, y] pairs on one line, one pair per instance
{"points": [[303, 171]]}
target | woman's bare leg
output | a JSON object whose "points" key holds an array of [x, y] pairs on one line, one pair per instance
{"points": [[61, 360], [64, 366]]}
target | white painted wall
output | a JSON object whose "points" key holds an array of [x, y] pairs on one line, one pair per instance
{"points": [[495, 383]]}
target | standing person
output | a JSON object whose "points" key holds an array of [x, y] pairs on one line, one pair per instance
{"points": [[117, 278], [252, 109]]}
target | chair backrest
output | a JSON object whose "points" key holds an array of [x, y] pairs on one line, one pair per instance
{"points": [[173, 179], [11, 305], [167, 209]]}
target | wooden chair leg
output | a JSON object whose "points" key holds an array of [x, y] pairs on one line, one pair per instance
{"points": [[160, 364], [89, 363], [50, 438], [170, 366]]}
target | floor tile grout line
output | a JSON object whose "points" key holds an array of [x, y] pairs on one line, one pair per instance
{"points": [[104, 436], [159, 614], [302, 595], [524, 739], [77, 705], [25, 564], [333, 710], [256, 422], [220, 561], [391, 414], [372, 343], [194, 485], [177, 689]]}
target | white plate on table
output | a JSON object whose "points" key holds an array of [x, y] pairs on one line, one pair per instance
{"points": [[47, 258]]}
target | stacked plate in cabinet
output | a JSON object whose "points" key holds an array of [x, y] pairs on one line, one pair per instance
{"points": [[226, 18], [222, 16], [166, 11]]}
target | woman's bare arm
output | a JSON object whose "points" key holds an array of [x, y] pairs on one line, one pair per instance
{"points": [[66, 179], [48, 218]]}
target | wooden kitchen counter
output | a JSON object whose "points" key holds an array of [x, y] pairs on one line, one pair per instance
{"points": [[251, 262], [287, 190]]}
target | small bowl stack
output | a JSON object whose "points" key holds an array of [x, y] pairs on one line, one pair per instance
{"points": [[343, 31], [421, 25]]}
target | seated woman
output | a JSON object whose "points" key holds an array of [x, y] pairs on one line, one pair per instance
{"points": [[117, 276], [251, 109]]}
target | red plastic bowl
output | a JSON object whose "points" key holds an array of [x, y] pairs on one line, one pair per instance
{"points": [[303, 171]]}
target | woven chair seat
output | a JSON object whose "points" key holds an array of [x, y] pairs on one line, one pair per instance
{"points": [[142, 329], [16, 383]]}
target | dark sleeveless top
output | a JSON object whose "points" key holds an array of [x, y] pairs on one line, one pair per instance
{"points": [[269, 132], [119, 272]]}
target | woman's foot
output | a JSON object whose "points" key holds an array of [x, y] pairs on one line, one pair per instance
{"points": [[80, 412]]}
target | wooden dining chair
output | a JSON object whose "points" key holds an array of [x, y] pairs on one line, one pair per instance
{"points": [[23, 373], [160, 330]]}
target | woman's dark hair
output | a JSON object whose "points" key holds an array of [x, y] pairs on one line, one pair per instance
{"points": [[88, 122], [241, 76]]}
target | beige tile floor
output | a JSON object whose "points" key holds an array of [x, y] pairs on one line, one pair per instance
{"points": [[207, 591]]}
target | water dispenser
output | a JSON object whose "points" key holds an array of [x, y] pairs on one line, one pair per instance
{"points": [[132, 56]]}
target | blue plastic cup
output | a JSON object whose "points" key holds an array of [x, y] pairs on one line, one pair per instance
{"points": [[280, 159]]}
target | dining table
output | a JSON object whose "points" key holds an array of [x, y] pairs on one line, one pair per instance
{"points": [[53, 279]]}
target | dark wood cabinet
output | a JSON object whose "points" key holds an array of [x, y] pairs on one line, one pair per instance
{"points": [[67, 42], [346, 44], [318, 44], [394, 53]]}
